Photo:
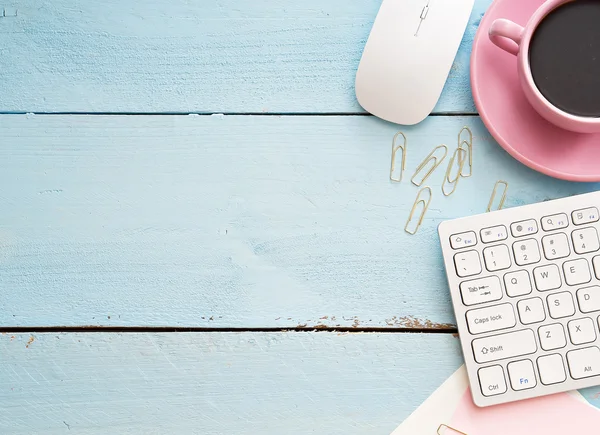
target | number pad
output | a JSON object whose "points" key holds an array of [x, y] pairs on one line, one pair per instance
{"points": [[496, 258], [526, 252], [556, 246], [585, 240]]}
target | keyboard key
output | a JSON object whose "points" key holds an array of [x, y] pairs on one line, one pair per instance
{"points": [[552, 369], [491, 318], [494, 234], [496, 257], [585, 240], [561, 305], [584, 363], [547, 277], [463, 240], [517, 283], [531, 310], [526, 252], [524, 228], [556, 246], [492, 380], [552, 336], [555, 222], [467, 263], [577, 271], [585, 216], [596, 264], [479, 291], [502, 346], [521, 374], [582, 331], [589, 299]]}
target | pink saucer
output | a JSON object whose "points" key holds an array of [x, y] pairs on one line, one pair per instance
{"points": [[514, 124]]}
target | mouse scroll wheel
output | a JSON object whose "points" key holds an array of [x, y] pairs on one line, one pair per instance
{"points": [[424, 12]]}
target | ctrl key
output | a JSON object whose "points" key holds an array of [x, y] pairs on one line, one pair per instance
{"points": [[491, 380]]}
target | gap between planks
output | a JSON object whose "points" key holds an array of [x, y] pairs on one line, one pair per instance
{"points": [[450, 114], [156, 329]]}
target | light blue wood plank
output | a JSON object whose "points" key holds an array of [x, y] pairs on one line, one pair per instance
{"points": [[231, 221], [181, 56], [217, 383]]}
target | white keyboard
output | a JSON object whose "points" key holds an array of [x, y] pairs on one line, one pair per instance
{"points": [[525, 285]]}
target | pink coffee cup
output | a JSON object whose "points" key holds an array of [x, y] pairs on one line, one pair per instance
{"points": [[515, 39]]}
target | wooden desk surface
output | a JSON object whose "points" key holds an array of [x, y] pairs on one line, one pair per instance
{"points": [[198, 233]]}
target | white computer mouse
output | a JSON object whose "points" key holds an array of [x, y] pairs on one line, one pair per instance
{"points": [[408, 56]]}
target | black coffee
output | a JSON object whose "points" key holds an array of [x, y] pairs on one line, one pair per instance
{"points": [[564, 56]]}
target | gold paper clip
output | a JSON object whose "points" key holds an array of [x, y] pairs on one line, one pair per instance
{"points": [[395, 149], [418, 201], [461, 162], [489, 207], [469, 143], [430, 158], [446, 432]]}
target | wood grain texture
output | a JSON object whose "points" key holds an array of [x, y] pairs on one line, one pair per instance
{"points": [[195, 57], [216, 383], [231, 221]]}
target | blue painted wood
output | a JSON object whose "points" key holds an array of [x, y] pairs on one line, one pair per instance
{"points": [[231, 221], [192, 57], [216, 383]]}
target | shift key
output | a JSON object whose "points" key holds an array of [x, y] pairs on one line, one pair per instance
{"points": [[492, 318], [503, 346]]}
